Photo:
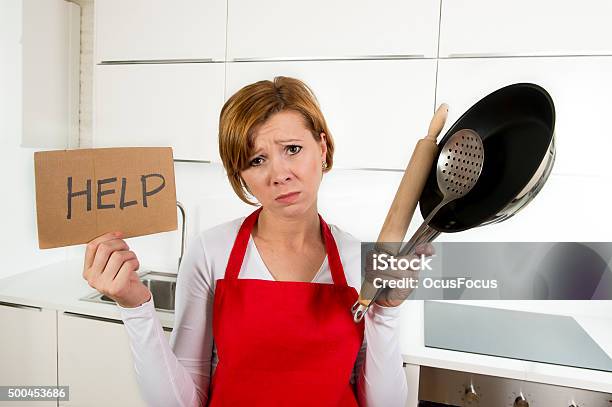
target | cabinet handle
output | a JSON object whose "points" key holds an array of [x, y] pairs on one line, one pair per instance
{"points": [[158, 61], [499, 55], [477, 55], [523, 55], [96, 318], [84, 316], [305, 58], [369, 169], [30, 307]]}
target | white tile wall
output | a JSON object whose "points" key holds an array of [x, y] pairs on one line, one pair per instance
{"points": [[357, 201], [18, 241]]}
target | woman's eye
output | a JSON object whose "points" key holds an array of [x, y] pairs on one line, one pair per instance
{"points": [[294, 149], [256, 161]]}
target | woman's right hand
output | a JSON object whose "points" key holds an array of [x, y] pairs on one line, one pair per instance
{"points": [[110, 267]]}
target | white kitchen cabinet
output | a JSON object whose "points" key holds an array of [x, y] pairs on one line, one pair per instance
{"points": [[580, 89], [128, 30], [175, 105], [572, 204], [567, 209], [523, 27], [28, 351], [48, 62], [95, 360], [375, 110], [412, 378], [323, 29]]}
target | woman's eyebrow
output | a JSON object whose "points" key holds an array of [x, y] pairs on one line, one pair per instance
{"points": [[257, 151]]}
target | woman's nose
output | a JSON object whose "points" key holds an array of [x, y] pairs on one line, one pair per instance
{"points": [[280, 171]]}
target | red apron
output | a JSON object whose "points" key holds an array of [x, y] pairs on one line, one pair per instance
{"points": [[284, 343]]}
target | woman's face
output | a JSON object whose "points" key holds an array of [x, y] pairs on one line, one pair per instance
{"points": [[286, 160]]}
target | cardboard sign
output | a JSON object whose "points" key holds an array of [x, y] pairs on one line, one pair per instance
{"points": [[84, 193]]}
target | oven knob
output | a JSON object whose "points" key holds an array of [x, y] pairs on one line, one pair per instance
{"points": [[470, 394], [520, 401]]}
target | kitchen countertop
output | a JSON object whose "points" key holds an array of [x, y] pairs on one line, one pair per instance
{"points": [[59, 286], [414, 352]]}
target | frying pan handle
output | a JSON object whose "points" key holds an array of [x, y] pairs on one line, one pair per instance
{"points": [[424, 234]]}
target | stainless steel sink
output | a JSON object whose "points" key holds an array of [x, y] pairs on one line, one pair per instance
{"points": [[162, 286]]}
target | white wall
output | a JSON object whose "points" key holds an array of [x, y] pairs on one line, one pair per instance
{"points": [[18, 241], [355, 200], [358, 200]]}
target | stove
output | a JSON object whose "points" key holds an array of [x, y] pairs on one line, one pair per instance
{"points": [[529, 336], [442, 388]]}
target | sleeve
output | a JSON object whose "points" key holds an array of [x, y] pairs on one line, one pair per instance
{"points": [[176, 373], [379, 371]]}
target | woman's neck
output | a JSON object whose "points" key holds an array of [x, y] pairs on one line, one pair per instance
{"points": [[294, 232]]}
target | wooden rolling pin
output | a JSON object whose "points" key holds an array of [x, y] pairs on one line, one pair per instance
{"points": [[410, 188], [409, 191]]}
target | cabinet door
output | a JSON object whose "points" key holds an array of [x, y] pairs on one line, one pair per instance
{"points": [[95, 360], [375, 110], [580, 89], [159, 29], [412, 377], [48, 43], [175, 105], [29, 349], [567, 209], [571, 205], [523, 27], [323, 29]]}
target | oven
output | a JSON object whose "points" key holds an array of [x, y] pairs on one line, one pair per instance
{"points": [[442, 388]]}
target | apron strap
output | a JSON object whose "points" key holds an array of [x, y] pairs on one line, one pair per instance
{"points": [[234, 264], [333, 257], [236, 257]]}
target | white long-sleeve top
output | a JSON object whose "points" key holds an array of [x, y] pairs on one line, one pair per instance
{"points": [[178, 373]]}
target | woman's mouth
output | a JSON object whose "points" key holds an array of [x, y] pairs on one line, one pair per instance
{"points": [[288, 198]]}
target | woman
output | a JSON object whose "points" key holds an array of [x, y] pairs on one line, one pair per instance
{"points": [[264, 299]]}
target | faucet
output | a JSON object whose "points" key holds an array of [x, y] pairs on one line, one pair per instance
{"points": [[182, 209]]}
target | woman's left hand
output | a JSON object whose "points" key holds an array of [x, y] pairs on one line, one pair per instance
{"points": [[392, 297]]}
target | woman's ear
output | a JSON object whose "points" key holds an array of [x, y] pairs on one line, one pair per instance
{"points": [[323, 146]]}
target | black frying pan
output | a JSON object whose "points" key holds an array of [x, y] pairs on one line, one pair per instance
{"points": [[516, 124]]}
